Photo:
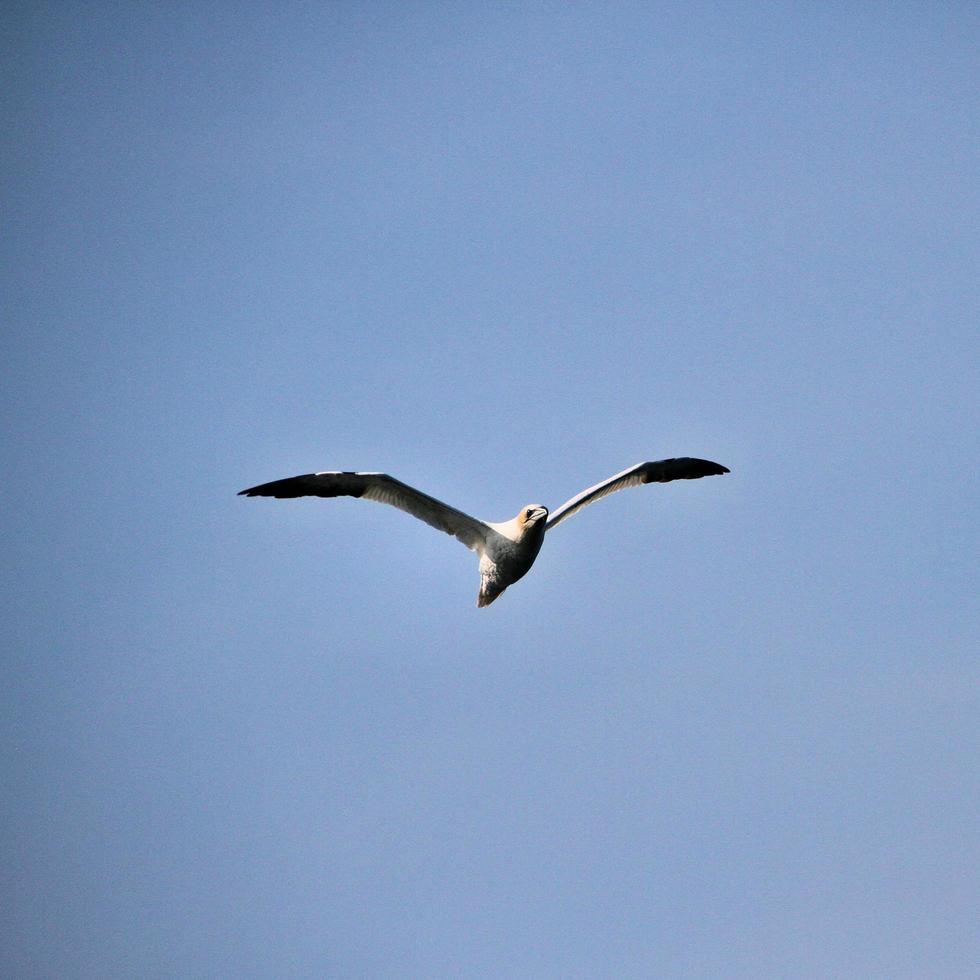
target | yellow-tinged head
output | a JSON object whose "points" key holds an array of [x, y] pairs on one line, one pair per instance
{"points": [[531, 516]]}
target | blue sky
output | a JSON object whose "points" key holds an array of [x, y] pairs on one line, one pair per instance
{"points": [[501, 251]]}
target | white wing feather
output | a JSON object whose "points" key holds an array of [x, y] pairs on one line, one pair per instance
{"points": [[659, 471], [382, 489]]}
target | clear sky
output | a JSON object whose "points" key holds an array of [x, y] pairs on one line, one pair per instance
{"points": [[726, 728]]}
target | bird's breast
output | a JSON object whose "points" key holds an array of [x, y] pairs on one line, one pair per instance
{"points": [[512, 559]]}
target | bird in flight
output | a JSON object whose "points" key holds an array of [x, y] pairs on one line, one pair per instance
{"points": [[506, 550]]}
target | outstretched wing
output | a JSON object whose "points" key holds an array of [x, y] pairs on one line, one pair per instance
{"points": [[385, 490], [661, 471]]}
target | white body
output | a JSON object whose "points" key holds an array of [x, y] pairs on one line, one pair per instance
{"points": [[509, 551]]}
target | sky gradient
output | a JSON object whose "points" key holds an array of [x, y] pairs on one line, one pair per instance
{"points": [[725, 728]]}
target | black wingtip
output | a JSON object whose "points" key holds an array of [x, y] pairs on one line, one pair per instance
{"points": [[694, 469]]}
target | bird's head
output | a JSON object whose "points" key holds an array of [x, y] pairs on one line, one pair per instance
{"points": [[532, 516]]}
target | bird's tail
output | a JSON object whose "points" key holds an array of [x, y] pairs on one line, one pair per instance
{"points": [[487, 595]]}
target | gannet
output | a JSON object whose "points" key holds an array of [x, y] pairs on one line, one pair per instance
{"points": [[506, 550]]}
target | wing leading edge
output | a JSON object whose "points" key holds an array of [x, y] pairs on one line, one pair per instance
{"points": [[659, 471], [382, 489]]}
